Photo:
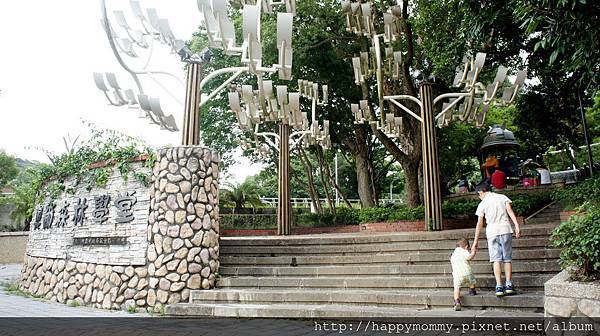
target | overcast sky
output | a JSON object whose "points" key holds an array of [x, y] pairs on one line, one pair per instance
{"points": [[50, 50]]}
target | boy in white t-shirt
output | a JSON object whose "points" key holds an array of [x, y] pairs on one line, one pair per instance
{"points": [[461, 270], [496, 210]]}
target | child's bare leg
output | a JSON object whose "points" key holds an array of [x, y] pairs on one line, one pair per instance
{"points": [[508, 271], [456, 293], [498, 272]]}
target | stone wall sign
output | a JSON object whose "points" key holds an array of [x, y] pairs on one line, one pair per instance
{"points": [[126, 245], [104, 225]]}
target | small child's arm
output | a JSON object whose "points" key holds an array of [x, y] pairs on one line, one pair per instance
{"points": [[472, 254]]}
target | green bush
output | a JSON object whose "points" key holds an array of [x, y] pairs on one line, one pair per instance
{"points": [[586, 192], [395, 213], [376, 214], [579, 241], [525, 205], [460, 209], [241, 222], [347, 216], [315, 220]]}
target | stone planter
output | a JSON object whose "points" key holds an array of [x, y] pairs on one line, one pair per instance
{"points": [[566, 298]]}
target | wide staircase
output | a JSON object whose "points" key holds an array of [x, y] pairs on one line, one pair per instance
{"points": [[368, 275]]}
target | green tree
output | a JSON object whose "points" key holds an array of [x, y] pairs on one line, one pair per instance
{"points": [[568, 30], [25, 195], [8, 168]]}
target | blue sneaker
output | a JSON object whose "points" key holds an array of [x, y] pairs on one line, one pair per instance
{"points": [[509, 289], [500, 291]]}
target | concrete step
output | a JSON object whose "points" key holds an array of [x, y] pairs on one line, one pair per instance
{"points": [[329, 311], [322, 248], [370, 238], [550, 265], [381, 258], [529, 301], [533, 281]]}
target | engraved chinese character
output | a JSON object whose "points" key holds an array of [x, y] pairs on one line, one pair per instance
{"points": [[48, 214], [63, 215], [100, 212], [37, 217], [124, 204], [79, 211]]}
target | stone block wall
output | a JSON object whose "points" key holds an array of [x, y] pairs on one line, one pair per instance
{"points": [[12, 246], [181, 239], [565, 298]]}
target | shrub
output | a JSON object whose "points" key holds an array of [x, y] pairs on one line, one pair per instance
{"points": [[459, 209], [586, 192], [314, 220], [376, 214], [407, 213], [240, 222], [347, 216], [395, 213], [525, 205], [579, 241]]}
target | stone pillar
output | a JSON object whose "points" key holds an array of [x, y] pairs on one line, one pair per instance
{"points": [[183, 227]]}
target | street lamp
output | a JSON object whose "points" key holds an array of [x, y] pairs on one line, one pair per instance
{"points": [[470, 104]]}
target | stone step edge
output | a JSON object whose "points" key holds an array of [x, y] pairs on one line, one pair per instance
{"points": [[327, 311], [426, 299], [523, 281], [358, 238], [301, 261], [531, 241]]}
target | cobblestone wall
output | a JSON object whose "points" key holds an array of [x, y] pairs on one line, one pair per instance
{"points": [[184, 224], [180, 239]]}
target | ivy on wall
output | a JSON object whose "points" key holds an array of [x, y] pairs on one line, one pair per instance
{"points": [[90, 163]]}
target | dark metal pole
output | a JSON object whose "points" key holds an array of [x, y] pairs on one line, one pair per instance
{"points": [[191, 115], [585, 135], [284, 205], [431, 168]]}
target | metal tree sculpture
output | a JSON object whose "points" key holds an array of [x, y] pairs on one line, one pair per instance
{"points": [[138, 42], [278, 106], [470, 104]]}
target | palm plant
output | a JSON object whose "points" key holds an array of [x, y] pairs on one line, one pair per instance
{"points": [[241, 194]]}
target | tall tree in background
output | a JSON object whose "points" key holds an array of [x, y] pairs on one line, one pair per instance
{"points": [[8, 168], [436, 34]]}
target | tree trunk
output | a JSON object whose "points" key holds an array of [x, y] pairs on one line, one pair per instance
{"points": [[411, 173], [337, 187], [324, 180], [314, 195], [363, 178], [360, 151]]}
